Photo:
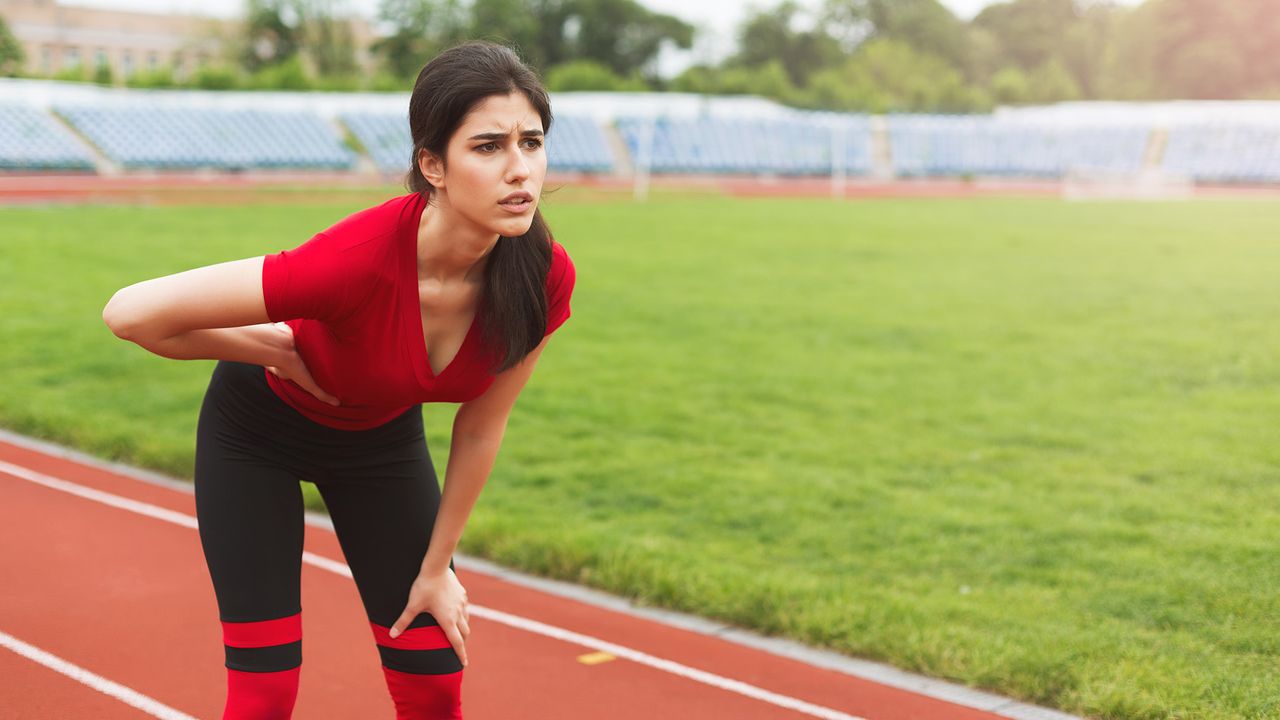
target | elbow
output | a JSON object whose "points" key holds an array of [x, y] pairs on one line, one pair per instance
{"points": [[122, 321]]}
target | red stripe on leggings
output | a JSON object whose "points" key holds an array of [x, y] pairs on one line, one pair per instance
{"points": [[263, 633], [423, 638]]}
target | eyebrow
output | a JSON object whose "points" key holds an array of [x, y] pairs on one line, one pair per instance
{"points": [[500, 136]]}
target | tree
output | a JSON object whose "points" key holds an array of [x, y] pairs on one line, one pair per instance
{"points": [[418, 30], [770, 35], [1031, 32], [510, 22], [589, 75], [887, 75], [271, 34], [925, 25], [327, 37], [622, 34], [11, 55]]}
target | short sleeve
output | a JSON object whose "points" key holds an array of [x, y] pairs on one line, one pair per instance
{"points": [[560, 280], [309, 281]]}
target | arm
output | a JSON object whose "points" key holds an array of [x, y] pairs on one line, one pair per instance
{"points": [[200, 314], [216, 312], [477, 434], [478, 429]]}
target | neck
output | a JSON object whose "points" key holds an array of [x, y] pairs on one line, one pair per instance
{"points": [[451, 248]]}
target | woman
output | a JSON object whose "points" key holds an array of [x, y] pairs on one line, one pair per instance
{"points": [[326, 352]]}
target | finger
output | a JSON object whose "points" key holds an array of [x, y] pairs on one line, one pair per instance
{"points": [[319, 392], [403, 622], [459, 645], [464, 626]]}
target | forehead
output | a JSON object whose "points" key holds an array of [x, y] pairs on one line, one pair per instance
{"points": [[501, 113]]}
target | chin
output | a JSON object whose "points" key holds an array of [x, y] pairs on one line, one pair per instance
{"points": [[516, 226]]}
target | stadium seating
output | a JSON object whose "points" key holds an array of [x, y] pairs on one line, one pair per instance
{"points": [[31, 140], [157, 136], [951, 145], [800, 146], [1244, 152], [385, 138], [573, 144]]}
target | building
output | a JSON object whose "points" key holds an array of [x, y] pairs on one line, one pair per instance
{"points": [[57, 38]]}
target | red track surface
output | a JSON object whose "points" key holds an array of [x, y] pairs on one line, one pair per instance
{"points": [[127, 596]]}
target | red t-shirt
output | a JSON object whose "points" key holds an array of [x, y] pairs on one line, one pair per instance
{"points": [[350, 293]]}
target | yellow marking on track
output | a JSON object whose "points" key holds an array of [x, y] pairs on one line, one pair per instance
{"points": [[596, 658]]}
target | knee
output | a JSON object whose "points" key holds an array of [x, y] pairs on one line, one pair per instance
{"points": [[264, 646], [422, 672], [264, 660]]}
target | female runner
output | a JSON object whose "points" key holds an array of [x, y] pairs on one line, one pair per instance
{"points": [[326, 352]]}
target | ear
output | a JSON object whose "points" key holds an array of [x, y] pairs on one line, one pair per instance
{"points": [[432, 168]]}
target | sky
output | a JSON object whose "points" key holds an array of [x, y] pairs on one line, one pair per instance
{"points": [[716, 20]]}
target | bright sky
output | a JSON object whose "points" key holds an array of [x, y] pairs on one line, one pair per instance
{"points": [[717, 20]]}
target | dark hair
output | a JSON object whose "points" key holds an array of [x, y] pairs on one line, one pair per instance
{"points": [[513, 304]]}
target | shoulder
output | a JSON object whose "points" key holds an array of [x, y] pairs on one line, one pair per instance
{"points": [[365, 227]]}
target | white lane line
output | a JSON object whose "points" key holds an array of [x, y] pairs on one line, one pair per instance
{"points": [[125, 695], [515, 621]]}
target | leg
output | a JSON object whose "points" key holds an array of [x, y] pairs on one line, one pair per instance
{"points": [[383, 521], [250, 523]]}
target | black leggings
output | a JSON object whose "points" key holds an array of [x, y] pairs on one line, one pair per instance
{"points": [[382, 494]]}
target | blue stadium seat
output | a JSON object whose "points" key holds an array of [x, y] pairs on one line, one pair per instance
{"points": [[155, 136], [32, 140], [800, 146]]}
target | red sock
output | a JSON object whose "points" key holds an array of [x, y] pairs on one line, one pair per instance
{"points": [[261, 696], [425, 697]]}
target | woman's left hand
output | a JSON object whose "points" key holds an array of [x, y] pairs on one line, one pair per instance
{"points": [[444, 598]]}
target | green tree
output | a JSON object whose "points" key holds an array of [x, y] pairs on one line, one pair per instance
{"points": [[102, 74], [590, 75], [926, 25], [770, 36], [327, 37], [161, 77], [215, 77], [1010, 86], [271, 33], [11, 54], [1031, 32], [1196, 49], [887, 75], [512, 23], [287, 75], [622, 34], [418, 30]]}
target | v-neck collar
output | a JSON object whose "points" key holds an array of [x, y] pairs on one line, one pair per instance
{"points": [[413, 318]]}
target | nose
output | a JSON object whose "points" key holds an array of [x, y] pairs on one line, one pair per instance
{"points": [[517, 166]]}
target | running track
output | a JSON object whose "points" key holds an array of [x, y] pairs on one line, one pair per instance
{"points": [[108, 612]]}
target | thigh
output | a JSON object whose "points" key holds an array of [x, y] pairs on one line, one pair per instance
{"points": [[250, 512], [383, 518]]}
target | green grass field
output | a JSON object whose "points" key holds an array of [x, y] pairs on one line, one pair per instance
{"points": [[1025, 445]]}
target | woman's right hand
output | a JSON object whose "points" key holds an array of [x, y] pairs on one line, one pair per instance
{"points": [[294, 369]]}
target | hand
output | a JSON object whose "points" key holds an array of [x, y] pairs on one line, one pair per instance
{"points": [[444, 598], [296, 370]]}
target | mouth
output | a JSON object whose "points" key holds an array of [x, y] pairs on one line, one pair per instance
{"points": [[517, 202]]}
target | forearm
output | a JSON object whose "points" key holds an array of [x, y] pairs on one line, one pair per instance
{"points": [[471, 458], [258, 344]]}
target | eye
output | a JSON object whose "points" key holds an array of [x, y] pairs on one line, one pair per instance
{"points": [[487, 145], [536, 143]]}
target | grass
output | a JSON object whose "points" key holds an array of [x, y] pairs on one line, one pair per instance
{"points": [[1024, 445]]}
